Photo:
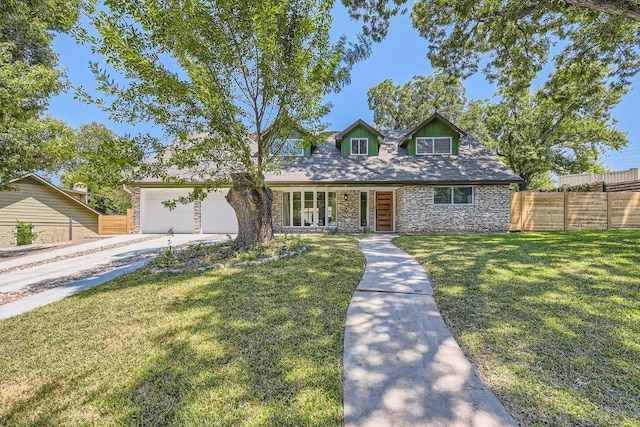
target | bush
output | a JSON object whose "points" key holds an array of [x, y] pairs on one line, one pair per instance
{"points": [[24, 233]]}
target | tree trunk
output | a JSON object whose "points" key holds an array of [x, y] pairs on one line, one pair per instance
{"points": [[252, 205], [526, 181]]}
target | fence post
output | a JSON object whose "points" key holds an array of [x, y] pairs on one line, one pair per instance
{"points": [[566, 211], [521, 196], [608, 210]]}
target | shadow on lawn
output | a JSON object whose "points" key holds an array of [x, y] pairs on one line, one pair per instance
{"points": [[569, 332], [259, 345]]}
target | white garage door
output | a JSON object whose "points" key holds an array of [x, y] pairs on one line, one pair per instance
{"points": [[156, 218], [217, 215]]}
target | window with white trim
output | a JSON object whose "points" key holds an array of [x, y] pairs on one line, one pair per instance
{"points": [[309, 208], [434, 145], [360, 146], [453, 195], [288, 147]]}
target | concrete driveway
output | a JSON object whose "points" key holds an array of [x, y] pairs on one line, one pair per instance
{"points": [[79, 264]]}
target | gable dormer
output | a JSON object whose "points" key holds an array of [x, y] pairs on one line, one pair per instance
{"points": [[291, 146], [359, 139], [434, 136]]}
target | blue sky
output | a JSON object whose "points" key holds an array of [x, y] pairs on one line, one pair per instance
{"points": [[399, 57]]}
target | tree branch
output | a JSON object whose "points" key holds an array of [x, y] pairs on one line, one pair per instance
{"points": [[609, 7]]}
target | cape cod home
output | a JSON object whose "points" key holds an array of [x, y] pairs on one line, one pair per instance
{"points": [[431, 179]]}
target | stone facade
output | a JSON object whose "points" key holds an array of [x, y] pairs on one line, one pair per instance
{"points": [[348, 214], [197, 216], [416, 212], [276, 211], [135, 205]]}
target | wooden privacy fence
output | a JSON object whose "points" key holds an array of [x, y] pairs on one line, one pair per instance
{"points": [[532, 211], [116, 224]]}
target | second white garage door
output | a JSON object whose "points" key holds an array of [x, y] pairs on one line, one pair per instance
{"points": [[217, 215], [156, 218]]}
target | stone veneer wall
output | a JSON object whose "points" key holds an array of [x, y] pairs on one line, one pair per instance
{"points": [[135, 205], [276, 211], [197, 217], [416, 212], [349, 211]]}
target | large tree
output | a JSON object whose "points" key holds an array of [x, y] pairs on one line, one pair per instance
{"points": [[406, 106], [102, 161], [29, 139], [227, 81], [535, 134], [514, 39]]}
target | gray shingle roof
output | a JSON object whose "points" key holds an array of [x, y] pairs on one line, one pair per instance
{"points": [[393, 165]]}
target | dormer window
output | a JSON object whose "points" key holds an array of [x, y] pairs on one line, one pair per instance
{"points": [[360, 146], [288, 147], [434, 145]]}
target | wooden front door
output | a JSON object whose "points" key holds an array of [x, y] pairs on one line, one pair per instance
{"points": [[384, 211]]}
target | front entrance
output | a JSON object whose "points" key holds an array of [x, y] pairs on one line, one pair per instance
{"points": [[384, 211]]}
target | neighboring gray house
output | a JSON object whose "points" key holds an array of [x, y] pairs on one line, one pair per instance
{"points": [[434, 178]]}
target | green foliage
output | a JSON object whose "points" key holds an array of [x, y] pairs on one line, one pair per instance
{"points": [[566, 131], [566, 124], [203, 254], [104, 162], [551, 320], [260, 346], [543, 181], [24, 233], [561, 130], [29, 140], [282, 245], [245, 76], [514, 39], [226, 81], [406, 106]]}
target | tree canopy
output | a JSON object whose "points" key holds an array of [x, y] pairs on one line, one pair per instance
{"points": [[406, 106], [30, 140], [535, 134], [103, 161], [227, 81], [513, 39]]}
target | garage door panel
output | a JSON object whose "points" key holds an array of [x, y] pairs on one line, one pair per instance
{"points": [[157, 218], [217, 214]]}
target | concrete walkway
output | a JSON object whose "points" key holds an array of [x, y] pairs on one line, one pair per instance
{"points": [[76, 263], [402, 367]]}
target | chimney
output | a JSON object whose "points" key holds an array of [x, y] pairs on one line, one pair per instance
{"points": [[80, 190]]}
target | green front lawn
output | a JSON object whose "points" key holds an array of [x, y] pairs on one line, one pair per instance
{"points": [[259, 346], [551, 320]]}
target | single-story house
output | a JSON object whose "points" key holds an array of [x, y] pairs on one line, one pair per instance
{"points": [[433, 178], [55, 214]]}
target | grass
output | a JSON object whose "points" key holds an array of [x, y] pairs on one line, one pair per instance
{"points": [[551, 320], [258, 346]]}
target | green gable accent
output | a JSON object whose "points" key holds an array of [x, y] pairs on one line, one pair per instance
{"points": [[360, 132], [435, 126]]}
